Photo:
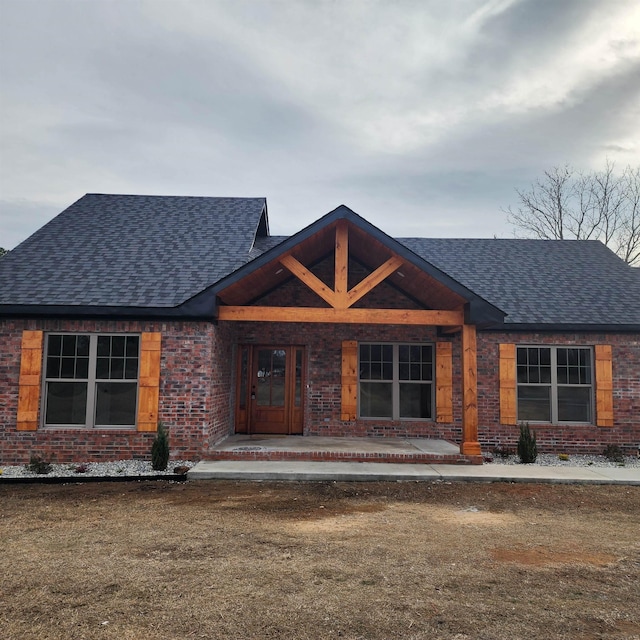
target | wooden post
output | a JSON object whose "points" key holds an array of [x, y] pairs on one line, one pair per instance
{"points": [[470, 444], [341, 265]]}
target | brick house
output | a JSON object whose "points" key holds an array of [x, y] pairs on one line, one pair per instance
{"points": [[128, 310]]}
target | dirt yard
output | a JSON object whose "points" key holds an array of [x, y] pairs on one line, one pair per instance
{"points": [[155, 560]]}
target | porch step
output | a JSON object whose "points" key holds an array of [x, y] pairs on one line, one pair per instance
{"points": [[255, 448], [342, 456]]}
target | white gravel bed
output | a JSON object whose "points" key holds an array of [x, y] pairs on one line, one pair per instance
{"points": [[552, 460], [135, 468], [119, 468]]}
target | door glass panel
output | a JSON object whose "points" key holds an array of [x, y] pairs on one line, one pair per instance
{"points": [[263, 385], [244, 359], [278, 369], [298, 386], [271, 377]]}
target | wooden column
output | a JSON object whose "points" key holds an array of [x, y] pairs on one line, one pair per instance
{"points": [[470, 444]]}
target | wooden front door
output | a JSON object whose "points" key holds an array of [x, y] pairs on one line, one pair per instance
{"points": [[269, 390]]}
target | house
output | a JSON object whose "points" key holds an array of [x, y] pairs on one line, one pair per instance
{"points": [[128, 310]]}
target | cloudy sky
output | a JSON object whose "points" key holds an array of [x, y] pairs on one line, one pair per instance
{"points": [[423, 116]]}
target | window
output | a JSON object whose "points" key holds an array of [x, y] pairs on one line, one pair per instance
{"points": [[91, 380], [555, 384], [396, 381]]}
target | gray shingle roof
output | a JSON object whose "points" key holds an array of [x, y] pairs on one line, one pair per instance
{"points": [[158, 252], [540, 281], [139, 251]]}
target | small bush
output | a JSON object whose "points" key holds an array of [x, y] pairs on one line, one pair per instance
{"points": [[503, 452], [614, 453], [37, 464], [563, 456], [527, 447], [160, 449]]}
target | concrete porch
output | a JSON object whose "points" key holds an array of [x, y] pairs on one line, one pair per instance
{"points": [[243, 447]]}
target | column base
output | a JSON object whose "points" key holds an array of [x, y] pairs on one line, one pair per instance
{"points": [[470, 449]]}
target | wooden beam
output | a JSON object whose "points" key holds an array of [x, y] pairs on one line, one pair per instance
{"points": [[450, 331], [350, 316], [349, 381], [470, 444], [341, 265], [313, 282], [374, 279]]}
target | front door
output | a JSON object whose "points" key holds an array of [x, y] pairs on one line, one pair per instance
{"points": [[270, 390]]}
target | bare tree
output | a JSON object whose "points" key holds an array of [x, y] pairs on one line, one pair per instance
{"points": [[601, 205]]}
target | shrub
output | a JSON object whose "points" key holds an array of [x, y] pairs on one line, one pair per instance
{"points": [[37, 464], [503, 452], [160, 449], [614, 453], [527, 447]]}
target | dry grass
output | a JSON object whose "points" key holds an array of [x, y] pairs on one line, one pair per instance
{"points": [[310, 561]]}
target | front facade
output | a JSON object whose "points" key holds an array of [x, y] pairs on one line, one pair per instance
{"points": [[338, 330]]}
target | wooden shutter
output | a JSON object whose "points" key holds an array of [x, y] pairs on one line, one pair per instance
{"points": [[508, 390], [30, 380], [604, 386], [444, 382], [149, 392], [349, 380]]}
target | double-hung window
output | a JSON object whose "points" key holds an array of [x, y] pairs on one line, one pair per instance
{"points": [[555, 384], [396, 381], [91, 380]]}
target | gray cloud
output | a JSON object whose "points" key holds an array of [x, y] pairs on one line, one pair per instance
{"points": [[421, 116]]}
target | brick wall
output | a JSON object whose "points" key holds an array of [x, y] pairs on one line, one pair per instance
{"points": [[194, 399], [585, 438], [322, 403], [197, 389], [323, 393], [323, 345]]}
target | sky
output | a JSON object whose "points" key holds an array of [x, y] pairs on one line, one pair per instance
{"points": [[423, 116]]}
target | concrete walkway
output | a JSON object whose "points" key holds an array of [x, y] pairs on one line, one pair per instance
{"points": [[384, 471]]}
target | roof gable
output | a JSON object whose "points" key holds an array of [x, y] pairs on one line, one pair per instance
{"points": [[418, 278]]}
